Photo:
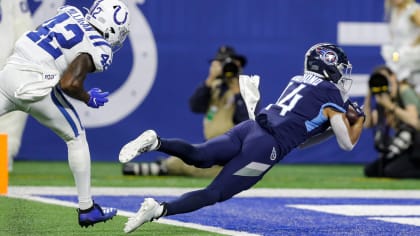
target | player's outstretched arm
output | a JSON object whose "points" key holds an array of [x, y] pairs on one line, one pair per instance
{"points": [[347, 135], [73, 78]]}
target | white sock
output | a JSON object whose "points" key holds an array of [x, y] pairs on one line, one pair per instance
{"points": [[155, 145], [159, 212], [79, 162]]}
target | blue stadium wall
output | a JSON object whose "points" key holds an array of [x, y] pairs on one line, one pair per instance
{"points": [[167, 54]]}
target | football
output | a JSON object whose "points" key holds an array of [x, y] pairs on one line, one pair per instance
{"points": [[352, 116]]}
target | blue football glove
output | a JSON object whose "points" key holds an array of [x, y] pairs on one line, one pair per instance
{"points": [[97, 98], [358, 109]]}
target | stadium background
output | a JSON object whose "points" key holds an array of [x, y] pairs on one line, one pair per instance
{"points": [[167, 56]]}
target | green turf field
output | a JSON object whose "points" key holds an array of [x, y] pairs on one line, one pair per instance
{"points": [[106, 174], [23, 217]]}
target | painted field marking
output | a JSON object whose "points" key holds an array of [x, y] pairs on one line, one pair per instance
{"points": [[400, 220], [401, 214], [363, 209], [28, 192]]}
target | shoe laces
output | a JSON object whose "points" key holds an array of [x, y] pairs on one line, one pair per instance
{"points": [[147, 147], [107, 210]]}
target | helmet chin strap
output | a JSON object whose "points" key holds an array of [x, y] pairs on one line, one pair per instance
{"points": [[99, 31]]}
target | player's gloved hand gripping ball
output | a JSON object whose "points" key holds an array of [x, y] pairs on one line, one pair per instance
{"points": [[97, 97], [354, 112]]}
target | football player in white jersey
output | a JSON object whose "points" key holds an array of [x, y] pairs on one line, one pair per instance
{"points": [[15, 19], [54, 60]]}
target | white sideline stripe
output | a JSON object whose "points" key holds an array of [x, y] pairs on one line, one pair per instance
{"points": [[257, 192]]}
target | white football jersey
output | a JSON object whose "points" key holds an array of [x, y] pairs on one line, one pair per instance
{"points": [[58, 41]]}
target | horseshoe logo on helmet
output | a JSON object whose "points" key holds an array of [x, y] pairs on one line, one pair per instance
{"points": [[116, 18]]}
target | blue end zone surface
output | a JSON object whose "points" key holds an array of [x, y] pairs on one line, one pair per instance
{"points": [[272, 216]]}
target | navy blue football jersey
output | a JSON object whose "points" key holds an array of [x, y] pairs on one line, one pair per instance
{"points": [[297, 114]]}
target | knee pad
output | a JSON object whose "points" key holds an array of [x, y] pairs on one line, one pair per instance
{"points": [[78, 153]]}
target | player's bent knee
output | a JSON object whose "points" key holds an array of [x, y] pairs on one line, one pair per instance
{"points": [[76, 141]]}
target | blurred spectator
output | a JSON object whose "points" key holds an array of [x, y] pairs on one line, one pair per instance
{"points": [[396, 125], [219, 99], [15, 19], [402, 54]]}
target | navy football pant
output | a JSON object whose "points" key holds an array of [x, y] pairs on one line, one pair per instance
{"points": [[247, 152]]}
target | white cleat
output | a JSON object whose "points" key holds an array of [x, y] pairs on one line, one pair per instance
{"points": [[147, 141], [149, 210]]}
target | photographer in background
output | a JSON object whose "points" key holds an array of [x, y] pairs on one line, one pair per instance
{"points": [[395, 122], [220, 100], [219, 97]]}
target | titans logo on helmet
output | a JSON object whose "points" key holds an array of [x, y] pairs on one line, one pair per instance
{"points": [[328, 56]]}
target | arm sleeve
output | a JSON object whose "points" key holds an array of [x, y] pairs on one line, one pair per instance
{"points": [[341, 132], [200, 99]]}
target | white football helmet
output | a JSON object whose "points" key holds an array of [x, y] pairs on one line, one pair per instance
{"points": [[112, 19]]}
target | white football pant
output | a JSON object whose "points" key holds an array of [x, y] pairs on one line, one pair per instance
{"points": [[55, 112]]}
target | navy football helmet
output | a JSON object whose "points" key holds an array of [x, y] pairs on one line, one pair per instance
{"points": [[329, 62]]}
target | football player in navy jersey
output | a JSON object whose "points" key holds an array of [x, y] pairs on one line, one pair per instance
{"points": [[54, 60], [311, 108]]}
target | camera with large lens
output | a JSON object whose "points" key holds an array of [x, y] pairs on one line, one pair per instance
{"points": [[229, 68], [378, 83], [402, 141]]}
